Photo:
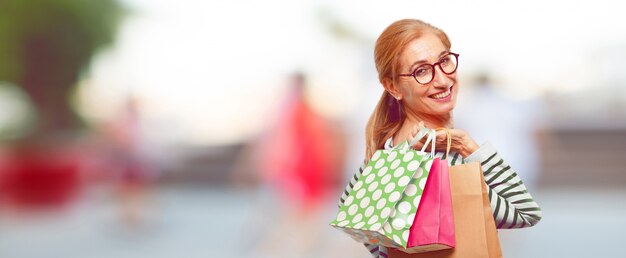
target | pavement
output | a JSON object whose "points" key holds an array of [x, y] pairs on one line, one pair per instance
{"points": [[222, 222]]}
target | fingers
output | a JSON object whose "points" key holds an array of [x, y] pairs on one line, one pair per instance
{"points": [[418, 146], [441, 135]]}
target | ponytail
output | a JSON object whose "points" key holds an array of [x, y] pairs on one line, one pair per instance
{"points": [[383, 123]]}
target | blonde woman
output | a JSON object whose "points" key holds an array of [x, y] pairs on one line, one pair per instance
{"points": [[417, 68]]}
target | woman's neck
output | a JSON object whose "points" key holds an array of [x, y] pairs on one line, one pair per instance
{"points": [[413, 120], [430, 121]]}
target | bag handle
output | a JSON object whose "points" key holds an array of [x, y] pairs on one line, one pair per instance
{"points": [[424, 131], [420, 134], [448, 140], [432, 138]]}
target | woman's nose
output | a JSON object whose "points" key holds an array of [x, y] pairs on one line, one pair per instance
{"points": [[441, 79]]}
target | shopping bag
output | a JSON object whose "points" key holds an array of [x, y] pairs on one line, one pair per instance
{"points": [[474, 226], [433, 227], [381, 206]]}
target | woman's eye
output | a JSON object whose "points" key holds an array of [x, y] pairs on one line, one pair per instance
{"points": [[444, 60], [420, 72]]}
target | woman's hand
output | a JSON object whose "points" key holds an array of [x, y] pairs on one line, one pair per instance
{"points": [[462, 143]]}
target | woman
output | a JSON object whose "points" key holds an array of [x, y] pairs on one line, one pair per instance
{"points": [[418, 71]]}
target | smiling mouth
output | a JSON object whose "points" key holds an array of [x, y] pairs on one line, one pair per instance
{"points": [[442, 95]]}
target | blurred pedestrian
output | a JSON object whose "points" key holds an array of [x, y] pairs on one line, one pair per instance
{"points": [[134, 171], [299, 162]]}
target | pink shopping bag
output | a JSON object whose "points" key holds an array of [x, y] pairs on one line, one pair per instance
{"points": [[433, 227]]}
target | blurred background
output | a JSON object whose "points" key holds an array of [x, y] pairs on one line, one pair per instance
{"points": [[150, 128]]}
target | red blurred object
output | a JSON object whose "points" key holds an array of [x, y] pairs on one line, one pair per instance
{"points": [[302, 154], [41, 177], [302, 162]]}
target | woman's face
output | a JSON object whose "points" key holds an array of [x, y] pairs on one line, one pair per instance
{"points": [[437, 97]]}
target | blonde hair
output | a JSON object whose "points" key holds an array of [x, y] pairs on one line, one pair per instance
{"points": [[388, 115]]}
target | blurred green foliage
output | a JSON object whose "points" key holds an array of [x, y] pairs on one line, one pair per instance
{"points": [[45, 45]]}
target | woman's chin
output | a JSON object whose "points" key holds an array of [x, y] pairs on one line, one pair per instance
{"points": [[443, 109]]}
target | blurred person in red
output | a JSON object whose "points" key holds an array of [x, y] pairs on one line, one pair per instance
{"points": [[134, 171], [299, 157], [299, 160]]}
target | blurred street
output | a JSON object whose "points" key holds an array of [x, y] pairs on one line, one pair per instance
{"points": [[196, 222]]}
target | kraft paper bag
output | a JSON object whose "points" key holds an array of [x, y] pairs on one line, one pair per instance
{"points": [[474, 226]]}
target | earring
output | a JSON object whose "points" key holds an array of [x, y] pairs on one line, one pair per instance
{"points": [[399, 106]]}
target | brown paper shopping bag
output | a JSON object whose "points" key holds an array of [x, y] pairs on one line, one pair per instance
{"points": [[474, 226]]}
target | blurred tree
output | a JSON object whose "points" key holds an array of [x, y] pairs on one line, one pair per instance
{"points": [[45, 45]]}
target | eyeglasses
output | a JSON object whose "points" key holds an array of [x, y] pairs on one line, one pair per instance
{"points": [[425, 73]]}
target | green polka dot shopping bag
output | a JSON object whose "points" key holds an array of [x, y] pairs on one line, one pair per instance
{"points": [[382, 204]]}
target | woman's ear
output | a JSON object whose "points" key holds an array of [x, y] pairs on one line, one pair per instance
{"points": [[390, 87]]}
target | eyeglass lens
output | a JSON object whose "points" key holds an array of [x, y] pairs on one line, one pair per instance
{"points": [[424, 73]]}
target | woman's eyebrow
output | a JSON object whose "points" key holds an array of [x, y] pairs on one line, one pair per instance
{"points": [[425, 61]]}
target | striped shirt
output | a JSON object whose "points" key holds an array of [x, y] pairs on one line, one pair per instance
{"points": [[512, 205]]}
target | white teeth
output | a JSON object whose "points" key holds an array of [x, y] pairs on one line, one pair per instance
{"points": [[441, 95]]}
